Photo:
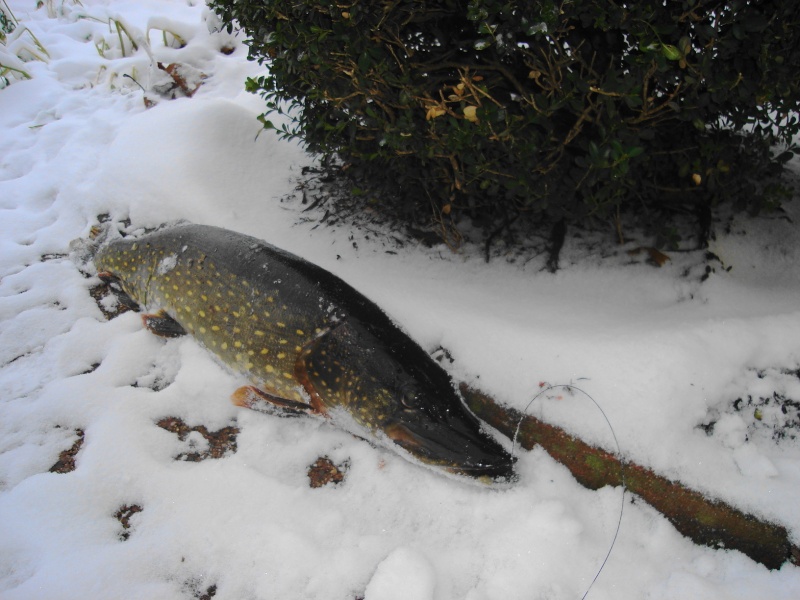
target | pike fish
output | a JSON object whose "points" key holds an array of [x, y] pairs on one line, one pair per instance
{"points": [[306, 341]]}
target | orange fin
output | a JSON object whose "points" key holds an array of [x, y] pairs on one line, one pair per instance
{"points": [[162, 324], [249, 396]]}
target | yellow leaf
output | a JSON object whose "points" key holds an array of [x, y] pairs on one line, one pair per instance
{"points": [[434, 111], [697, 179], [469, 113], [655, 256]]}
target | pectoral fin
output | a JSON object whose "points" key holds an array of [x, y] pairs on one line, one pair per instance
{"points": [[249, 396], [162, 324], [315, 366]]}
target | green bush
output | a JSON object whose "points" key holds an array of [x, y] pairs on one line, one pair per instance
{"points": [[558, 111]]}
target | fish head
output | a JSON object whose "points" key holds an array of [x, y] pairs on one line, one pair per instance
{"points": [[403, 398], [436, 428]]}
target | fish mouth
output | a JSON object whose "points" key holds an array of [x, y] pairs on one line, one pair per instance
{"points": [[472, 454]]}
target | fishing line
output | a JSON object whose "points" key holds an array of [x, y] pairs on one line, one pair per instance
{"points": [[574, 388]]}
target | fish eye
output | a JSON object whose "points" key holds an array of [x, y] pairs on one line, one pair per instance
{"points": [[407, 392], [410, 399]]}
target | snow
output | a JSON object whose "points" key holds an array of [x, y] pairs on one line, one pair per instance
{"points": [[404, 575], [659, 350]]}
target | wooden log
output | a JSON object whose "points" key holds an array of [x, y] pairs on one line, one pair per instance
{"points": [[703, 520]]}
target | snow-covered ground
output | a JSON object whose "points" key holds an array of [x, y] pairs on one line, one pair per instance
{"points": [[664, 353]]}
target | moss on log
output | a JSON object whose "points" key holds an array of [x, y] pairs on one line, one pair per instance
{"points": [[703, 520]]}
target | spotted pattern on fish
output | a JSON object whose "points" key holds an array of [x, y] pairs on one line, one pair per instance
{"points": [[249, 328], [304, 338]]}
